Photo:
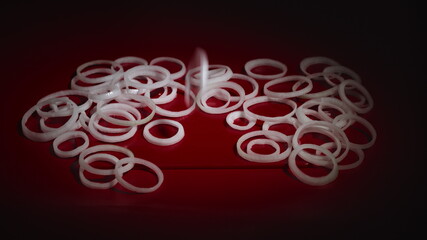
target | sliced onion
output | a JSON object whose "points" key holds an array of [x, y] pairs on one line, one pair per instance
{"points": [[164, 141], [314, 181], [256, 100], [265, 158], [132, 160], [294, 93], [175, 75], [67, 136], [231, 117], [231, 85], [250, 65]]}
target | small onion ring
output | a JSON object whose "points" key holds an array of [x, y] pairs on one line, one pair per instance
{"points": [[231, 85], [114, 76], [342, 92], [47, 136], [164, 141], [231, 117], [340, 70], [217, 77], [325, 93], [80, 108], [175, 75], [364, 122], [168, 113], [261, 141], [328, 129], [307, 62], [294, 93], [262, 99], [147, 70], [67, 136], [133, 160], [130, 106], [108, 138], [250, 65], [314, 181], [291, 120], [264, 158], [131, 59], [218, 93], [98, 185], [103, 148], [359, 152]]}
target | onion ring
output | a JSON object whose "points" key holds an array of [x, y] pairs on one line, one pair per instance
{"points": [[130, 160], [103, 148], [270, 142], [256, 100], [307, 62], [231, 117], [114, 76], [148, 70], [97, 185], [365, 123], [264, 158], [175, 75], [294, 93], [47, 136], [250, 65], [164, 141], [231, 85], [342, 92], [314, 181], [67, 136]]}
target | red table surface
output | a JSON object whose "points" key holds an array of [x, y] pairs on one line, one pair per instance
{"points": [[210, 192]]}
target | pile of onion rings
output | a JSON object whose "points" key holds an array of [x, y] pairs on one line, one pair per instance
{"points": [[104, 91]]}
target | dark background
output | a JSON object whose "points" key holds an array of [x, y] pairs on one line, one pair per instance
{"points": [[43, 43]]}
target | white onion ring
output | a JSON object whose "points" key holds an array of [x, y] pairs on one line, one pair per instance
{"points": [[103, 148], [193, 75], [340, 70], [168, 113], [231, 117], [47, 136], [212, 110], [175, 75], [67, 136], [164, 141], [98, 185], [265, 158], [256, 100], [359, 152], [270, 142], [124, 183], [365, 123], [131, 59], [114, 76], [325, 93], [165, 97], [218, 93], [307, 62], [328, 129], [342, 92], [142, 101], [314, 181], [291, 120], [149, 71], [109, 138], [253, 82], [80, 108], [294, 93], [265, 62]]}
